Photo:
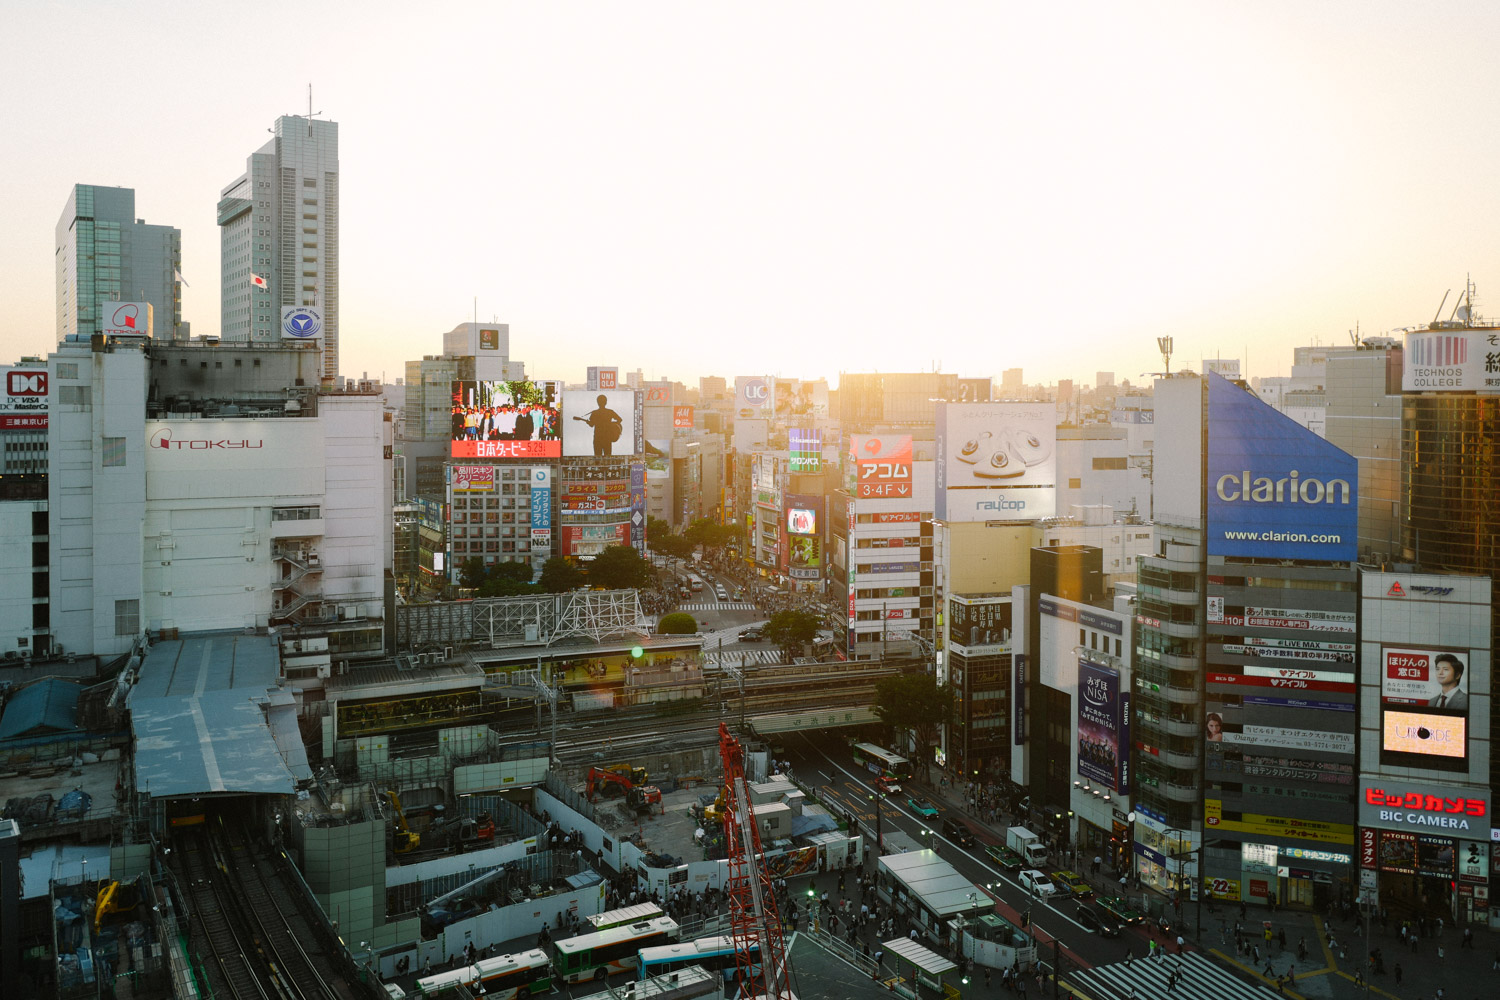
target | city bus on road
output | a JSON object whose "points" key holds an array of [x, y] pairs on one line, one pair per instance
{"points": [[602, 953], [506, 977], [716, 954], [624, 915], [891, 766]]}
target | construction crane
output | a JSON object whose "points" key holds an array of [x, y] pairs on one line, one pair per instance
{"points": [[406, 839], [754, 920]]}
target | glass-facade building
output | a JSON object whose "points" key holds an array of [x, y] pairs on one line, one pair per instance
{"points": [[103, 253]]}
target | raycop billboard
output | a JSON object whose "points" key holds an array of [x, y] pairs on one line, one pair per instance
{"points": [[1275, 489], [996, 461]]}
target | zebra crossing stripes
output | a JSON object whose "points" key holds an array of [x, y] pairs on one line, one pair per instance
{"points": [[1146, 979], [717, 606], [734, 657]]}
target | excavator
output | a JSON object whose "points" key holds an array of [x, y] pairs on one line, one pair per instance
{"points": [[116, 897], [406, 839], [622, 779]]}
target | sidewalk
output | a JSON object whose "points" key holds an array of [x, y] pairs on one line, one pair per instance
{"points": [[1330, 970]]}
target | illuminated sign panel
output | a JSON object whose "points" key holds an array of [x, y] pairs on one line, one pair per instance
{"points": [[1275, 489], [801, 521], [494, 420], [473, 479], [996, 461], [1425, 677], [1460, 360], [881, 465], [598, 424], [1103, 727], [1423, 733], [1394, 803], [126, 319]]}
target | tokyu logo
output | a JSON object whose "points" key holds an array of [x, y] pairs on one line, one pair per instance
{"points": [[1291, 489]]}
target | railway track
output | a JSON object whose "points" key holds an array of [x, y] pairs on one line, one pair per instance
{"points": [[227, 964], [291, 970]]}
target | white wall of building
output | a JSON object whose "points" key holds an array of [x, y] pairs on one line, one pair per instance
{"points": [[1178, 462], [16, 574]]}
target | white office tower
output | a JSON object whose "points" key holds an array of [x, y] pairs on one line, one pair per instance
{"points": [[279, 223], [103, 253], [180, 499]]}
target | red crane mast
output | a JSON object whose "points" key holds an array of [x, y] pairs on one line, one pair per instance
{"points": [[753, 915]]}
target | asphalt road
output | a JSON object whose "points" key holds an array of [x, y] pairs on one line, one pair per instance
{"points": [[824, 761]]}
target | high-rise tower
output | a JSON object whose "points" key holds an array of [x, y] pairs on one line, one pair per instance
{"points": [[279, 222], [103, 253]]}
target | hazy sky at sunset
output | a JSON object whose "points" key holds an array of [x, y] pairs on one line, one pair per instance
{"points": [[798, 188]]}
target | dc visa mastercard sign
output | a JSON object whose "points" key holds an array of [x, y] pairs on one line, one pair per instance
{"points": [[1275, 489]]}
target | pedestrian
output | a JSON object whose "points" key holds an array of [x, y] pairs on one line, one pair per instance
{"points": [[1179, 944], [1130, 955], [1468, 941], [1397, 971], [1281, 938]]}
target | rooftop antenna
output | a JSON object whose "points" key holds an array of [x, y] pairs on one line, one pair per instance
{"points": [[1164, 345], [1440, 306], [1354, 337]]}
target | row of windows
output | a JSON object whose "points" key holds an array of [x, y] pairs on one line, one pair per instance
{"points": [[476, 548], [505, 532], [508, 517]]}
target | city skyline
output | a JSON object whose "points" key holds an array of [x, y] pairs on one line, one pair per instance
{"points": [[695, 192]]}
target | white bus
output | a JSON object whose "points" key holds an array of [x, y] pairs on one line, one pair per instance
{"points": [[624, 915], [504, 977], [716, 954], [603, 953], [882, 762]]}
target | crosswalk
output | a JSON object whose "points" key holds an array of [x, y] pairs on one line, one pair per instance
{"points": [[735, 657], [717, 606], [1146, 979]]}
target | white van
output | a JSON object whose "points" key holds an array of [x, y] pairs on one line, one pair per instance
{"points": [[723, 594]]}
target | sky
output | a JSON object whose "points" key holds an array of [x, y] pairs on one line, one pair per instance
{"points": [[800, 188]]}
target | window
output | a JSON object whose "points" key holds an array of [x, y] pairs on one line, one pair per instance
{"points": [[75, 395], [1075, 484], [67, 369], [1109, 463], [113, 453], [127, 617]]}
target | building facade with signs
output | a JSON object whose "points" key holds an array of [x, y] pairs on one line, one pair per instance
{"points": [[1425, 837], [1246, 726], [271, 510]]}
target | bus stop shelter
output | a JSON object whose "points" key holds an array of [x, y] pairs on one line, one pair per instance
{"points": [[926, 967]]}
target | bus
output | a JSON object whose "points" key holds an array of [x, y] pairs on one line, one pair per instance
{"points": [[625, 915], [601, 953], [504, 977], [716, 954], [882, 762]]}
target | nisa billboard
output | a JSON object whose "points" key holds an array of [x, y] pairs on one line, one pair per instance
{"points": [[1275, 489]]}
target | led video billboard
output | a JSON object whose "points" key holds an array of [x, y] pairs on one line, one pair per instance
{"points": [[501, 420]]}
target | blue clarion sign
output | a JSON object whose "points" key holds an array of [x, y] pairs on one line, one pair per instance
{"points": [[1275, 489]]}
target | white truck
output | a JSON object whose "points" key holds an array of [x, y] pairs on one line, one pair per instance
{"points": [[1028, 845]]}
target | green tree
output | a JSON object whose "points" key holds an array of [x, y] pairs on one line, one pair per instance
{"points": [[525, 391], [505, 586], [517, 571], [790, 629], [677, 623], [472, 573], [656, 528], [711, 535], [917, 704], [560, 576], [619, 567], [672, 545]]}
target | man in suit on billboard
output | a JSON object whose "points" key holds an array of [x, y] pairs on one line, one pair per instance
{"points": [[1449, 672]]}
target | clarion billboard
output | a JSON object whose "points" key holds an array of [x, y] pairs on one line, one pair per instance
{"points": [[1275, 489]]}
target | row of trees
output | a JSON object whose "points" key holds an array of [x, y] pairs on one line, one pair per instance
{"points": [[618, 567], [918, 704], [702, 532]]}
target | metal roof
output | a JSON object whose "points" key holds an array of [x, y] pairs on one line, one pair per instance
{"points": [[199, 712], [925, 959], [942, 889], [47, 706]]}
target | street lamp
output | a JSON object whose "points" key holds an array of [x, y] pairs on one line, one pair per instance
{"points": [[879, 840]]}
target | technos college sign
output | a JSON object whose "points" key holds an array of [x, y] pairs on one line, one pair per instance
{"points": [[1275, 489]]}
